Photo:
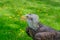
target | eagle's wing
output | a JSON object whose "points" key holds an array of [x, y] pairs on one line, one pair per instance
{"points": [[57, 36], [45, 36]]}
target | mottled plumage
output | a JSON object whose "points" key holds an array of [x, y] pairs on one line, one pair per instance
{"points": [[38, 31], [43, 33]]}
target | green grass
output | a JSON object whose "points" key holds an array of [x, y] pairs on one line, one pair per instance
{"points": [[12, 28]]}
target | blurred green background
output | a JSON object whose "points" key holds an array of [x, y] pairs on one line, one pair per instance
{"points": [[12, 28]]}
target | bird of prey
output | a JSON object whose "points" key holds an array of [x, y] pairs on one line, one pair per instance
{"points": [[37, 30]]}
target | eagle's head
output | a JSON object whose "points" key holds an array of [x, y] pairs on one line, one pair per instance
{"points": [[32, 20]]}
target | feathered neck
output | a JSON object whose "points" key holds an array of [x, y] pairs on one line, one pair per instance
{"points": [[33, 25]]}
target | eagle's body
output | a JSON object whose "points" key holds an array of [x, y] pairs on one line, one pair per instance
{"points": [[38, 31], [43, 34], [41, 28]]}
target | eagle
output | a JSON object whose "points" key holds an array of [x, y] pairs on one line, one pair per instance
{"points": [[37, 30]]}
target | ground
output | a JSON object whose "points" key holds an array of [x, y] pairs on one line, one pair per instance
{"points": [[12, 28]]}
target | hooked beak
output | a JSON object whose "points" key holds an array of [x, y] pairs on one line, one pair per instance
{"points": [[23, 17]]}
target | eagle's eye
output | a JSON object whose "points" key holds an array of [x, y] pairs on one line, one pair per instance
{"points": [[31, 18]]}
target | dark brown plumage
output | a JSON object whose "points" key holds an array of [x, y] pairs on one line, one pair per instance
{"points": [[38, 31], [45, 36], [37, 35]]}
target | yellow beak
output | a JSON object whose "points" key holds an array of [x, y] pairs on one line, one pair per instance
{"points": [[23, 17]]}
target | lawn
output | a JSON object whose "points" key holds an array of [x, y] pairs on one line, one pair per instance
{"points": [[12, 28]]}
